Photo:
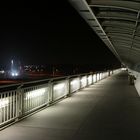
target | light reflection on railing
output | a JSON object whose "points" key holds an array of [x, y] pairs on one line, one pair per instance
{"points": [[4, 102], [35, 93], [26, 99]]}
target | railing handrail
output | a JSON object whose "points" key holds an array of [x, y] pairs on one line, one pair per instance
{"points": [[19, 100], [48, 79]]}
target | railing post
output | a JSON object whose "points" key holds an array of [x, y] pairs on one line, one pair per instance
{"points": [[96, 77], [19, 102], [112, 71], [79, 82], [50, 85], [108, 72], [86, 80], [100, 76], [92, 78], [68, 86], [1, 111]]}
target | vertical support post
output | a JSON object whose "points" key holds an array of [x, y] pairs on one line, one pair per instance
{"points": [[50, 92], [86, 80], [1, 112], [19, 102], [92, 78], [17, 105], [100, 75], [22, 96], [79, 81], [109, 73], [96, 78], [68, 86]]}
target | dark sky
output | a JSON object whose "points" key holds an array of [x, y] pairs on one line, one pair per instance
{"points": [[48, 33]]}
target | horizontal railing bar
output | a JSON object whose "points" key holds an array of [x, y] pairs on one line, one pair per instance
{"points": [[20, 100], [21, 84]]}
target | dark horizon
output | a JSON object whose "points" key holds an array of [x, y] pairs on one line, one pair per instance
{"points": [[35, 33]]}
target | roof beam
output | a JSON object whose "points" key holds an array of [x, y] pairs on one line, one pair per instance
{"points": [[118, 30], [119, 4], [116, 18], [118, 23], [83, 7], [120, 35], [134, 31]]}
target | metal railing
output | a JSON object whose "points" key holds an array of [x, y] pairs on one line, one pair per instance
{"points": [[19, 100]]}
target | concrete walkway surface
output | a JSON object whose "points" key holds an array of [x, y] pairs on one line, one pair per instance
{"points": [[107, 110]]}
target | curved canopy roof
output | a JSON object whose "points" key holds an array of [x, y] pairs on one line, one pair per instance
{"points": [[117, 23]]}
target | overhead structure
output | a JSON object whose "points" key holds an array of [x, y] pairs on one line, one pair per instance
{"points": [[117, 23]]}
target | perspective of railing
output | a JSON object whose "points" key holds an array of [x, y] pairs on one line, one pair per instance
{"points": [[18, 101]]}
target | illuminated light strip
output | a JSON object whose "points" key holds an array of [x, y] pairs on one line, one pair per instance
{"points": [[4, 102], [84, 79], [35, 93], [59, 86], [90, 79], [73, 82]]}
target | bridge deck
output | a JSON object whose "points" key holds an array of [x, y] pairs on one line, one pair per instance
{"points": [[108, 110]]}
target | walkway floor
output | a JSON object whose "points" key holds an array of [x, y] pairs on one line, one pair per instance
{"points": [[108, 110]]}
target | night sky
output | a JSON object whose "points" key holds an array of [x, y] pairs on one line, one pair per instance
{"points": [[49, 33]]}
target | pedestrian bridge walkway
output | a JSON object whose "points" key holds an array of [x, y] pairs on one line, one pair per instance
{"points": [[107, 110]]}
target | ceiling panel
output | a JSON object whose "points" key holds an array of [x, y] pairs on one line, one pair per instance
{"points": [[117, 23]]}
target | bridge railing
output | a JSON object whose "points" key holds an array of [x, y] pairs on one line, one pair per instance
{"points": [[18, 101]]}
